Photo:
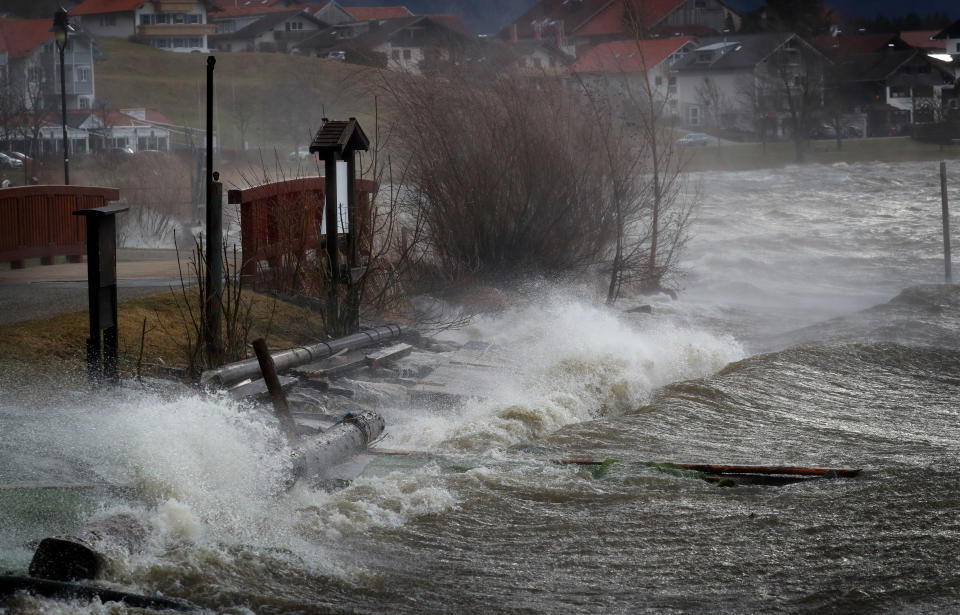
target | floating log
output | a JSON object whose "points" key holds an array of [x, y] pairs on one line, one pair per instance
{"points": [[59, 590], [250, 368], [85, 553], [315, 455]]}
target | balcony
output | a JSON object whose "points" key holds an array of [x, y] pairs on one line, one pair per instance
{"points": [[177, 29], [175, 6]]}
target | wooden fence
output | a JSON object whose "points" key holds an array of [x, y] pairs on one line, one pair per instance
{"points": [[38, 221]]}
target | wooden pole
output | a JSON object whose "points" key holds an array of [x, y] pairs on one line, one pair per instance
{"points": [[946, 223], [334, 323], [280, 407]]}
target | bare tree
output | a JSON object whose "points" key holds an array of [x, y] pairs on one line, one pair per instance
{"points": [[712, 98], [793, 79], [669, 214]]}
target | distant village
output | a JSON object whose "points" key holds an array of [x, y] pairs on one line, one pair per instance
{"points": [[706, 72]]}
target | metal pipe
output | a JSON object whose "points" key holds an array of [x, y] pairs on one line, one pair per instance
{"points": [[250, 368], [316, 455], [63, 110]]}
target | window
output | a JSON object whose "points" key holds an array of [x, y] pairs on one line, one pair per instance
{"points": [[35, 74], [693, 116], [83, 74], [658, 81], [704, 57], [395, 54], [406, 54], [179, 42], [84, 102], [193, 18], [294, 25], [899, 91], [108, 20], [179, 18]]}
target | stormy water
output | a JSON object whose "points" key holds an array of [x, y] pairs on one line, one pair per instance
{"points": [[813, 329]]}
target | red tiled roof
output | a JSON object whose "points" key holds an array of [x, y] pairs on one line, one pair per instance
{"points": [[627, 56], [247, 11], [610, 19], [92, 7], [855, 43], [921, 39], [21, 36], [451, 21], [368, 13]]}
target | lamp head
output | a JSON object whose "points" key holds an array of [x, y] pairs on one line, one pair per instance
{"points": [[61, 25]]}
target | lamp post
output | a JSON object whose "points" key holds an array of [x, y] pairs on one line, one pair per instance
{"points": [[61, 29]]}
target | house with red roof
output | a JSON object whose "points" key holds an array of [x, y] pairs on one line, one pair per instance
{"points": [[587, 21], [171, 25], [30, 66], [730, 82], [276, 31], [629, 67], [378, 13]]}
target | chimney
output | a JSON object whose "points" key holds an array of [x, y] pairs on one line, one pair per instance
{"points": [[559, 25], [513, 33]]}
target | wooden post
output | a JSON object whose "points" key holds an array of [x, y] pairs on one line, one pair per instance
{"points": [[353, 245], [333, 253], [102, 291], [269, 372], [946, 223]]}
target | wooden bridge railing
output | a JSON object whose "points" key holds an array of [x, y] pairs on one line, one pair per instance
{"points": [[284, 217], [38, 221]]}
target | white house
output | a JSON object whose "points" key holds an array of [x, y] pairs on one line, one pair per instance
{"points": [[173, 25], [630, 66]]}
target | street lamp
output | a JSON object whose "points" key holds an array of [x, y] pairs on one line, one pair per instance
{"points": [[61, 29]]}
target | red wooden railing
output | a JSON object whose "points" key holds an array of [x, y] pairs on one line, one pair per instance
{"points": [[282, 216], [38, 221]]}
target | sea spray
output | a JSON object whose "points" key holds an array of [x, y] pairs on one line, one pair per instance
{"points": [[556, 361]]}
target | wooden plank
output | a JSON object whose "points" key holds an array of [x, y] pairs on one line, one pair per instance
{"points": [[712, 469], [390, 353]]}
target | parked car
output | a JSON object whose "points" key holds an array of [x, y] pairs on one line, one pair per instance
{"points": [[9, 162], [302, 153], [120, 152], [19, 156], [852, 132], [694, 139], [823, 131], [337, 56]]}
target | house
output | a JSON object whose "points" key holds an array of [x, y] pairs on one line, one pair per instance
{"points": [[589, 20], [895, 88], [172, 25], [277, 30], [628, 67], [232, 19], [951, 35], [747, 82], [414, 44], [138, 129], [30, 67]]}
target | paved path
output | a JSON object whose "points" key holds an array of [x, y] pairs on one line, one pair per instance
{"points": [[46, 290]]}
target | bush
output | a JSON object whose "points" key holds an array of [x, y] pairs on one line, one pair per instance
{"points": [[503, 173]]}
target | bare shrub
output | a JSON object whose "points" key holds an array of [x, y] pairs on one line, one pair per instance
{"points": [[503, 175]]}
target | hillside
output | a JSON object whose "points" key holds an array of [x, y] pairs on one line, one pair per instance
{"points": [[277, 100]]}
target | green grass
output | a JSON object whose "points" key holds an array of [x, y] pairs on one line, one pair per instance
{"points": [[284, 95], [742, 156]]}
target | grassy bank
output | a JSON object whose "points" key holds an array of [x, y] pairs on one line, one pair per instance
{"points": [[51, 350], [280, 98], [744, 156]]}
